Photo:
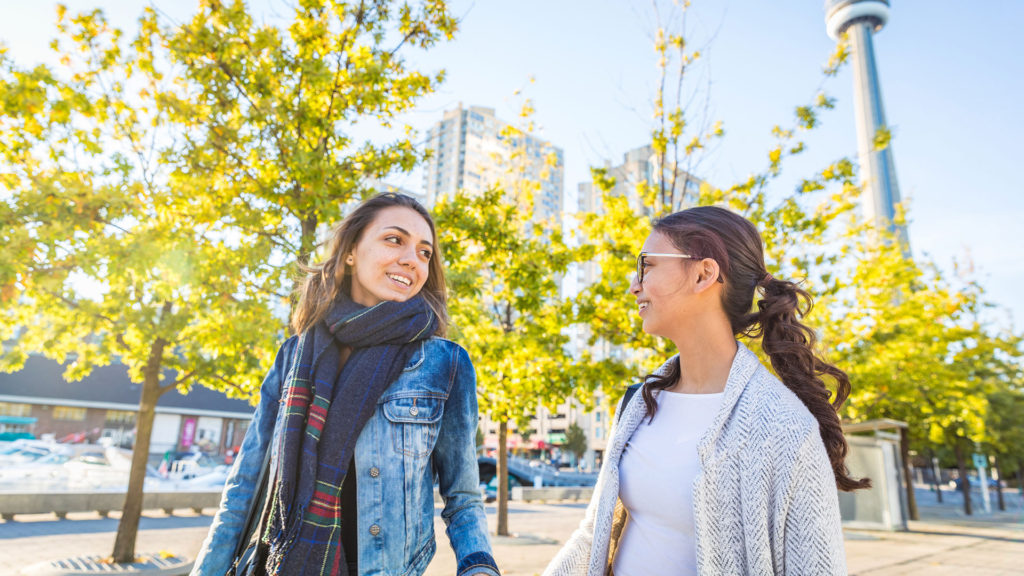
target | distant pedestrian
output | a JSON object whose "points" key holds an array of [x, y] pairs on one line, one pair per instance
{"points": [[717, 467], [360, 413]]}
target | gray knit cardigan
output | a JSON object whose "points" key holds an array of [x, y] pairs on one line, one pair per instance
{"points": [[766, 502]]}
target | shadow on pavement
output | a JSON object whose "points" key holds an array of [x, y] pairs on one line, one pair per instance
{"points": [[967, 535]]}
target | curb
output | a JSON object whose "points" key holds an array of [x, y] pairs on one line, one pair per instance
{"points": [[519, 539], [151, 565]]}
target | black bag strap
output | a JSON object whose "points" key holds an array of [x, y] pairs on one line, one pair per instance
{"points": [[627, 396]]}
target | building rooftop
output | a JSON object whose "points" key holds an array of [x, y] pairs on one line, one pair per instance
{"points": [[40, 382]]}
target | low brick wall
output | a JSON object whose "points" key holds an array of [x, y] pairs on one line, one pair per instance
{"points": [[60, 503]]}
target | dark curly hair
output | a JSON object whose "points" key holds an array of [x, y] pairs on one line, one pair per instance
{"points": [[735, 243]]}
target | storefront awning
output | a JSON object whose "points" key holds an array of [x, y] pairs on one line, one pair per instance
{"points": [[17, 420]]}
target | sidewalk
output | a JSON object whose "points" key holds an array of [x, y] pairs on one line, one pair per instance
{"points": [[944, 542]]}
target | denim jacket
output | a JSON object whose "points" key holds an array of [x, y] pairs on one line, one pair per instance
{"points": [[425, 422]]}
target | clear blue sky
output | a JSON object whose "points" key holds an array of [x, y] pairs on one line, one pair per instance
{"points": [[952, 81]]}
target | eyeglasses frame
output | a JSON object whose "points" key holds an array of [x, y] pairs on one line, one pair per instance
{"points": [[640, 259]]}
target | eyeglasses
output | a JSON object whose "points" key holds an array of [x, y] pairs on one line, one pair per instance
{"points": [[641, 262]]}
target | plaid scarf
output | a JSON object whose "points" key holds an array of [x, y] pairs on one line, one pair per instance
{"points": [[325, 408]]}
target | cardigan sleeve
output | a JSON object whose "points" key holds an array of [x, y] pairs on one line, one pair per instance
{"points": [[574, 557], [813, 542]]}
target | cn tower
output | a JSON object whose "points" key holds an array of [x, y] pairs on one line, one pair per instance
{"points": [[860, 19]]}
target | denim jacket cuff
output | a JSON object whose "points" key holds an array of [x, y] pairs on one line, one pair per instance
{"points": [[476, 563]]}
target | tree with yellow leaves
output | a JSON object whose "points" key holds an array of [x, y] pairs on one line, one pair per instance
{"points": [[916, 349], [160, 190]]}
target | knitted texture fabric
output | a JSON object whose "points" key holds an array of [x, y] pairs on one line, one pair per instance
{"points": [[766, 501], [325, 408]]}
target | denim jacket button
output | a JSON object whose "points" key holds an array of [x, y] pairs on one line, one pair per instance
{"points": [[374, 530], [374, 472], [414, 411]]}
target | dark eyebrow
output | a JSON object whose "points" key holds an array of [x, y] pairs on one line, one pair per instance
{"points": [[406, 232]]}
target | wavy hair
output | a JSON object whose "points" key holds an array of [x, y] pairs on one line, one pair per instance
{"points": [[324, 281], [735, 243]]}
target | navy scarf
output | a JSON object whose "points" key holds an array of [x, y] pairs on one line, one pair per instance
{"points": [[326, 406]]}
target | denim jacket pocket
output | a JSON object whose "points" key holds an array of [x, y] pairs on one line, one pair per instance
{"points": [[414, 422]]}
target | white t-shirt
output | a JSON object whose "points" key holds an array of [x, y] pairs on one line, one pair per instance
{"points": [[656, 476]]}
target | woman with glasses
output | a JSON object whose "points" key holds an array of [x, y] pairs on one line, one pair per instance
{"points": [[358, 415], [719, 466]]}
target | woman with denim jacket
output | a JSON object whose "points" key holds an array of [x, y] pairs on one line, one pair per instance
{"points": [[359, 412]]}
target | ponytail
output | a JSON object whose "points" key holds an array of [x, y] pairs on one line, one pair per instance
{"points": [[789, 344]]}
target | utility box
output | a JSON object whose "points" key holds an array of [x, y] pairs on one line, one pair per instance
{"points": [[878, 456]]}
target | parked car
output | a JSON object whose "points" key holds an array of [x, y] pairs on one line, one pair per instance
{"points": [[44, 472], [99, 467], [199, 479], [25, 451], [186, 465], [490, 488], [200, 458], [954, 484]]}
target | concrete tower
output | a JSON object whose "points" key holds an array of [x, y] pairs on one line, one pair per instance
{"points": [[861, 19]]}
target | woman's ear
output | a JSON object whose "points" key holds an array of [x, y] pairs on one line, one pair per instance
{"points": [[349, 259], [708, 273]]}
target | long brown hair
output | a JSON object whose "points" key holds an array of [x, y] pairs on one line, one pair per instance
{"points": [[735, 243], [324, 281]]}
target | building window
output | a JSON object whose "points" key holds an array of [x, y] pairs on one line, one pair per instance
{"points": [[68, 413], [8, 409], [120, 417]]}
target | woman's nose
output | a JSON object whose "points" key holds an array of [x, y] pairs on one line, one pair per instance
{"points": [[634, 286], [408, 257]]}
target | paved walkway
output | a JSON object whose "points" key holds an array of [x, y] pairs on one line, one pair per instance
{"points": [[944, 542]]}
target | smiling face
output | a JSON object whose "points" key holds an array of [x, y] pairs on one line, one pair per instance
{"points": [[667, 295], [390, 262]]}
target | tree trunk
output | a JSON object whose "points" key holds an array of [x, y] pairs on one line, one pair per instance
{"points": [[908, 481], [999, 483], [935, 475], [307, 238], [502, 471], [128, 527], [965, 481], [307, 244]]}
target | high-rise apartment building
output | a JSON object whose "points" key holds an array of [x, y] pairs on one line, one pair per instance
{"points": [[471, 152], [638, 165]]}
